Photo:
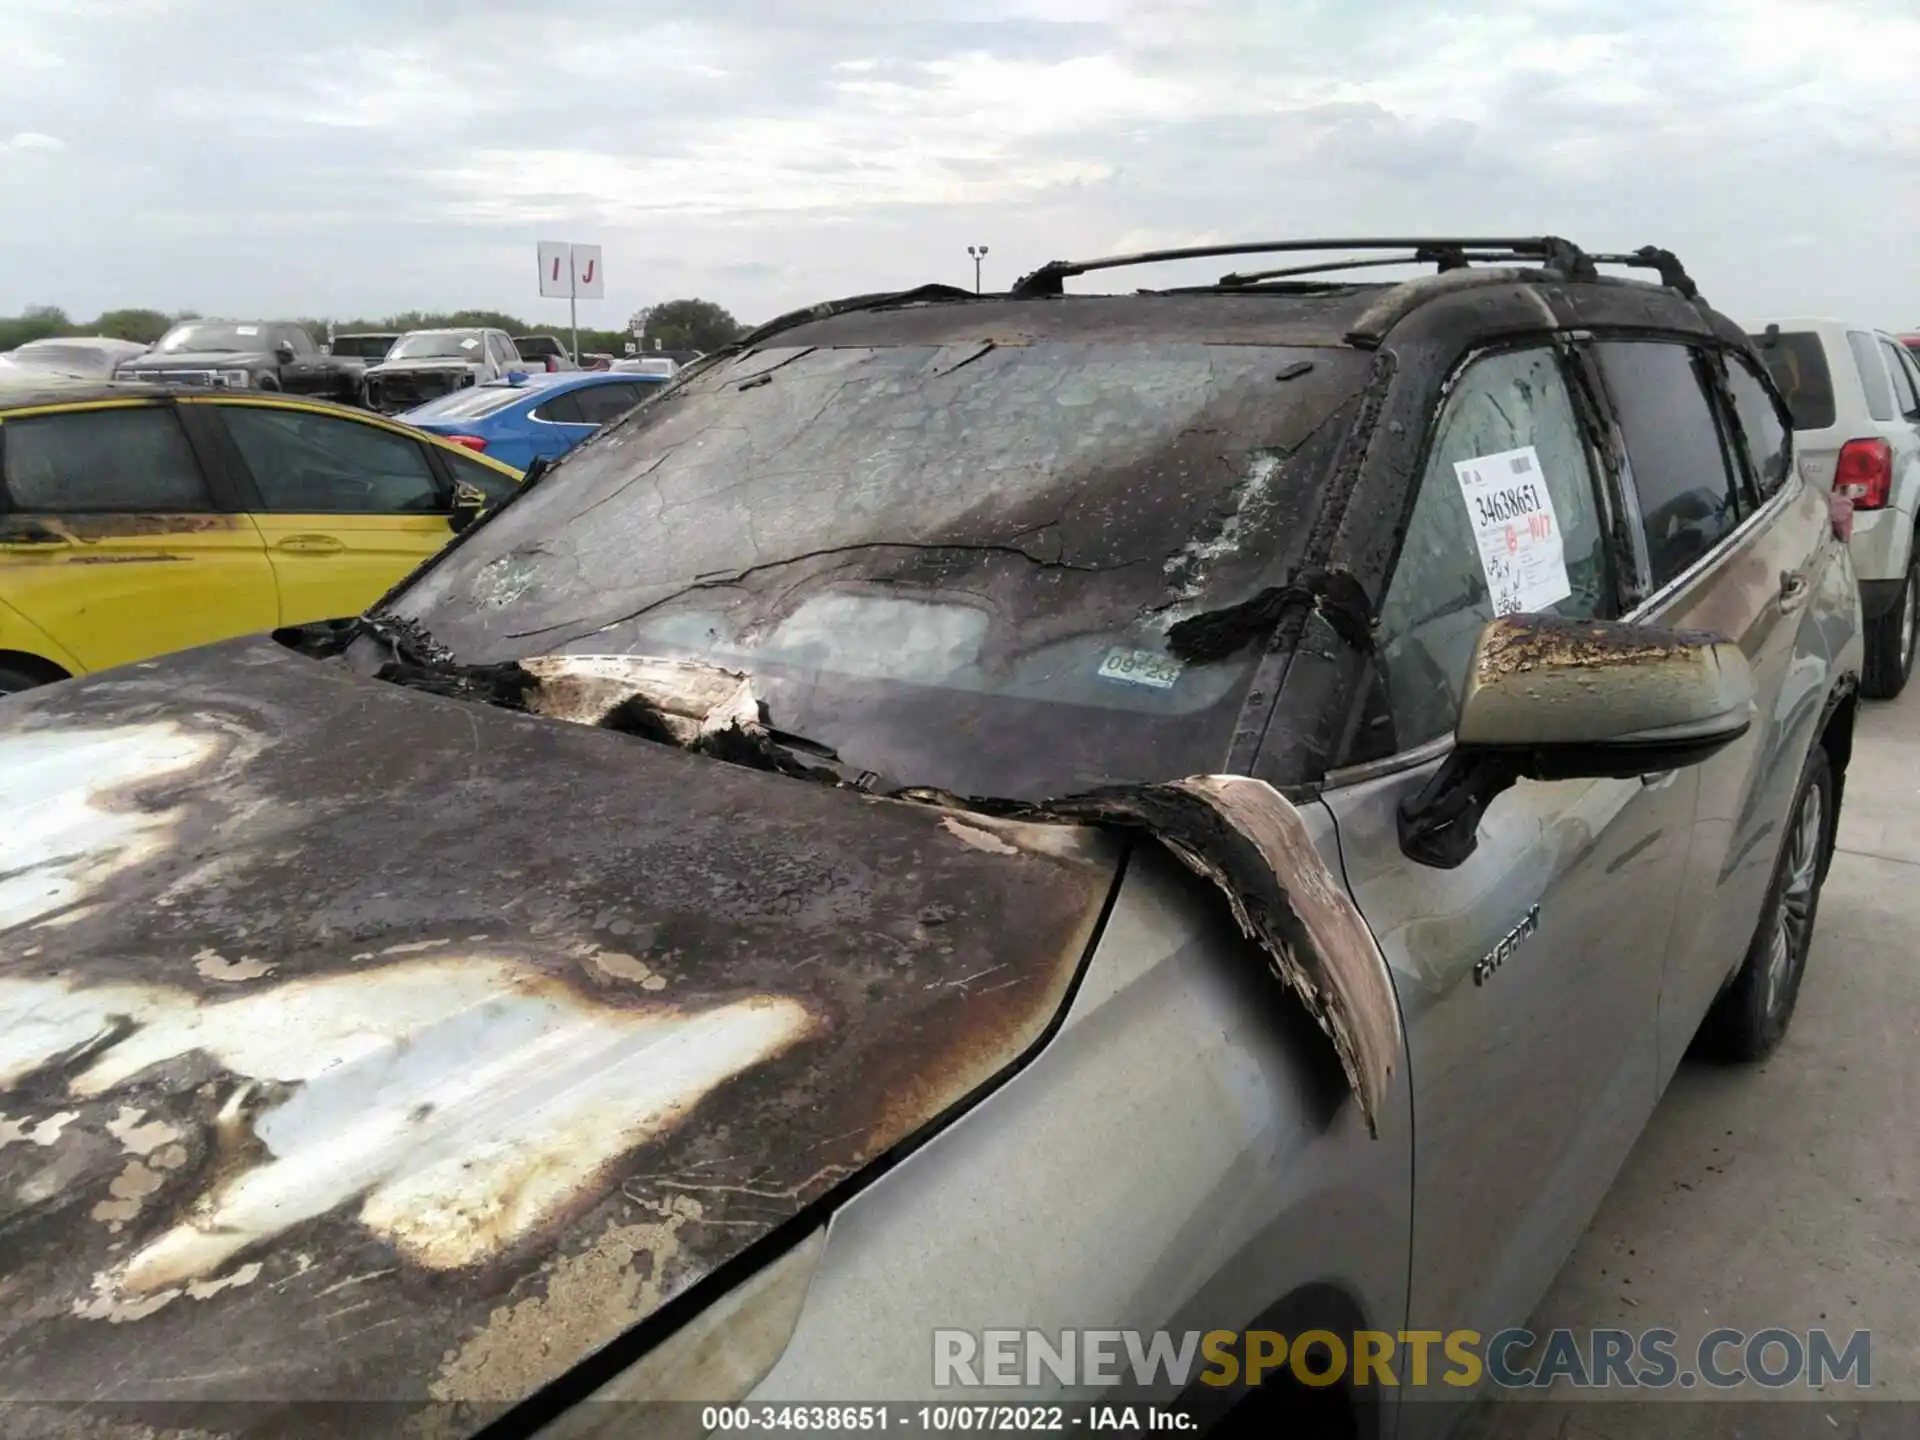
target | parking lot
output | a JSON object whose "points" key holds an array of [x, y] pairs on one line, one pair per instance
{"points": [[1783, 1195]]}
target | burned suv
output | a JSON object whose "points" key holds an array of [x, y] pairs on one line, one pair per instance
{"points": [[1212, 809]]}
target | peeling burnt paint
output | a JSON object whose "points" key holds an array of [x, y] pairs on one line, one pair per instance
{"points": [[555, 1024], [1523, 643], [1248, 839]]}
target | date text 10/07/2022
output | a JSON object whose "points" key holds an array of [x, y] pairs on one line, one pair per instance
{"points": [[941, 1419]]}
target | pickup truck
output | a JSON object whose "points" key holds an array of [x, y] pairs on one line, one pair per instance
{"points": [[545, 351], [368, 347], [251, 354], [426, 364]]}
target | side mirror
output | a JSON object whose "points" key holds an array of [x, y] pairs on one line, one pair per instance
{"points": [[1554, 699], [468, 504], [283, 352]]}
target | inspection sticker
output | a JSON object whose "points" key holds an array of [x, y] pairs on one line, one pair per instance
{"points": [[246, 329], [1514, 525], [1141, 667]]}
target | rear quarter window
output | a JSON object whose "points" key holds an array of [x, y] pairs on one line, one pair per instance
{"points": [[1873, 374], [1798, 363]]}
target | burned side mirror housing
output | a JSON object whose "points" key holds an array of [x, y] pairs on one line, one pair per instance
{"points": [[1554, 699]]}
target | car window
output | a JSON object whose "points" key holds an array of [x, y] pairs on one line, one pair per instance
{"points": [[1798, 363], [102, 461], [1675, 450], [307, 463], [599, 404], [1765, 436], [1506, 519], [561, 410], [1904, 397], [484, 478], [1873, 374], [1912, 362], [299, 339]]}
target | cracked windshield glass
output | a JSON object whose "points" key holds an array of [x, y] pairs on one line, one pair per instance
{"points": [[954, 564]]}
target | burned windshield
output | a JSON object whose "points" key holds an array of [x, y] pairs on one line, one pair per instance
{"points": [[954, 564]]}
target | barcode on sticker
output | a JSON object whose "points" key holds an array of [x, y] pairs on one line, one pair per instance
{"points": [[1141, 667]]}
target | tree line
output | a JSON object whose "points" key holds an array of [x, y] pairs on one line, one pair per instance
{"points": [[691, 324]]}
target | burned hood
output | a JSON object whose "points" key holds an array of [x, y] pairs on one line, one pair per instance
{"points": [[359, 1043]]}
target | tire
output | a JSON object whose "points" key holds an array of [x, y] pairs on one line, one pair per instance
{"points": [[1890, 640], [13, 679], [1751, 1016]]}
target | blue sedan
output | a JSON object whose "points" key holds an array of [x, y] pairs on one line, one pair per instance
{"points": [[523, 416]]}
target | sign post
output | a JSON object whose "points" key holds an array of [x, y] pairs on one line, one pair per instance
{"points": [[573, 271]]}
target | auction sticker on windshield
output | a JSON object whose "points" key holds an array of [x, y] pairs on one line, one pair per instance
{"points": [[1141, 667], [1516, 530]]}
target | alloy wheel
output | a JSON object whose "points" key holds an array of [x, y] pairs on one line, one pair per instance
{"points": [[1909, 612], [1793, 925]]}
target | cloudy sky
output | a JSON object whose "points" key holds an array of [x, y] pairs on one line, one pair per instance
{"points": [[354, 157]]}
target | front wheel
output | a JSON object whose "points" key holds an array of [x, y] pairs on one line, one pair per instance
{"points": [[1751, 1017], [1890, 640]]}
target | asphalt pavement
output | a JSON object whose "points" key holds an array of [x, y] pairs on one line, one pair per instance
{"points": [[1787, 1193]]}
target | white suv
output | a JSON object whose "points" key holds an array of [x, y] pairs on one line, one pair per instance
{"points": [[1855, 396]]}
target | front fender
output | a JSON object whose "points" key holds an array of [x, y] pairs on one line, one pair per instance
{"points": [[1183, 1153]]}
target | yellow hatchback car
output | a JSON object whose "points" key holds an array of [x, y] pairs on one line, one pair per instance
{"points": [[136, 520]]}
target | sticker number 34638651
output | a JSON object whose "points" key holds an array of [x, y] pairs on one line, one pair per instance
{"points": [[1518, 534]]}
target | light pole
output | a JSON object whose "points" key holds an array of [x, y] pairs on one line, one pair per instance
{"points": [[979, 253]]}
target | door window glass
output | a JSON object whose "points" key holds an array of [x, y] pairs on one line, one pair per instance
{"points": [[1766, 437], [1873, 374], [307, 463], [602, 403], [102, 461], [1679, 464], [1506, 519], [560, 410]]}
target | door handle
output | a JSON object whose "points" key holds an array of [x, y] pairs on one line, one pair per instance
{"points": [[310, 544], [28, 533], [1795, 590]]}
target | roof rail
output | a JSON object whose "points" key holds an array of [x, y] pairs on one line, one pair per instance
{"points": [[1447, 253], [1547, 248]]}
